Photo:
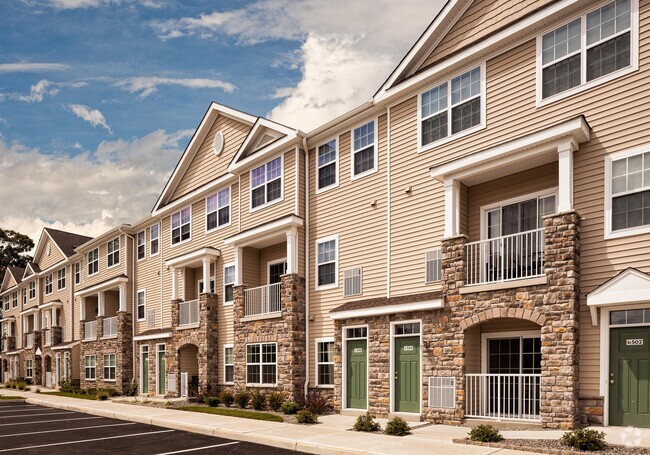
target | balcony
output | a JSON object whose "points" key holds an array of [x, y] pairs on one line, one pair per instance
{"points": [[29, 341], [503, 396], [48, 337], [5, 345], [188, 313], [262, 300], [109, 327], [90, 330], [510, 257]]}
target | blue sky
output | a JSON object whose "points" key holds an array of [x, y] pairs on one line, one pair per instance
{"points": [[98, 98]]}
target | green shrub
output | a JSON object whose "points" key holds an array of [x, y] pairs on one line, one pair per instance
{"points": [[213, 402], [242, 397], [227, 397], [366, 423], [318, 404], [22, 385], [258, 399], [276, 398], [306, 417], [132, 390], [112, 392], [397, 427], [485, 433], [290, 407], [102, 396], [83, 391], [584, 439], [37, 390]]}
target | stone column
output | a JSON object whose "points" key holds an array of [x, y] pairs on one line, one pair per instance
{"points": [[124, 354], [559, 388], [208, 344], [291, 351], [175, 312], [100, 326], [57, 335], [239, 349]]}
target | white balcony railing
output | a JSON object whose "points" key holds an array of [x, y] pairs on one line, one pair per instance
{"points": [[29, 340], [262, 300], [510, 257], [48, 337], [503, 396], [90, 330], [109, 327], [5, 345], [188, 313]]}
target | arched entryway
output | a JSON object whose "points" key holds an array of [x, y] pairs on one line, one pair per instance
{"points": [[503, 369], [48, 371], [5, 369], [188, 365]]}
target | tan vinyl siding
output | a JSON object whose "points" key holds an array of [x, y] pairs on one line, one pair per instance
{"points": [[206, 166], [104, 272], [481, 19], [46, 261], [148, 273], [273, 253]]}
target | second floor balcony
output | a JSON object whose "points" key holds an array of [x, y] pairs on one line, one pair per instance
{"points": [[29, 341], [109, 327], [90, 330], [188, 313], [263, 300]]}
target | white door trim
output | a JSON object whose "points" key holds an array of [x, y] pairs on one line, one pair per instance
{"points": [[344, 385], [392, 361]]}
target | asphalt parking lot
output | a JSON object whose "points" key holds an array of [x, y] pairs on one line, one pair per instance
{"points": [[33, 429]]}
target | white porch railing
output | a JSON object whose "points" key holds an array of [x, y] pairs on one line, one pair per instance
{"points": [[503, 396], [109, 327], [510, 257], [90, 330], [5, 345], [262, 300], [29, 340], [48, 337], [188, 313]]}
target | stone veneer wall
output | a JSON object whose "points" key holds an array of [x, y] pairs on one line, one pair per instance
{"points": [[30, 354], [46, 351], [121, 345], [152, 361], [592, 410], [288, 331]]}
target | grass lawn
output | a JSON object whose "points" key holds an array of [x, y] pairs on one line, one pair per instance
{"points": [[3, 397], [234, 413], [72, 395]]}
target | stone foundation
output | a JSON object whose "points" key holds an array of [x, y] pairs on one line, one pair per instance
{"points": [[592, 410]]}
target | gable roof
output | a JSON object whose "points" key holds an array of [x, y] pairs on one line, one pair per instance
{"points": [[193, 146], [631, 286], [66, 242], [14, 272], [31, 269]]}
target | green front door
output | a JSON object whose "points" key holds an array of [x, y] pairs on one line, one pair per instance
{"points": [[357, 374], [145, 369], [629, 377], [407, 374], [162, 371]]}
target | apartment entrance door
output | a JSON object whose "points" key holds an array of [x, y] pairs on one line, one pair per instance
{"points": [[407, 374], [144, 369], [357, 374]]}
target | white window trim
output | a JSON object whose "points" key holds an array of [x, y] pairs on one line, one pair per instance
{"points": [[95, 368], [229, 346], [261, 364], [74, 272], [158, 238], [30, 376], [250, 185], [51, 276], [137, 246], [268, 267], [200, 282], [89, 262], [65, 279], [29, 289], [219, 226], [336, 161], [119, 253], [104, 368], [485, 337], [584, 85], [429, 283], [375, 122], [344, 385], [393, 335], [144, 291], [452, 137], [317, 363], [486, 208], [171, 229], [609, 234], [230, 264], [140, 367], [336, 263]]}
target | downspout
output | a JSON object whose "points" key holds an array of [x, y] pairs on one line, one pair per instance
{"points": [[307, 347], [388, 204], [132, 299]]}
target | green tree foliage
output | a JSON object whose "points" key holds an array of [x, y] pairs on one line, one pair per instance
{"points": [[14, 249]]}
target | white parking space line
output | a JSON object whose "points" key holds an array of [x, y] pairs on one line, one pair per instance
{"points": [[12, 435], [86, 440], [23, 408], [35, 415], [48, 421], [200, 448]]}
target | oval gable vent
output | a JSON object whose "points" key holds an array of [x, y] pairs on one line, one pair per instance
{"points": [[218, 143]]}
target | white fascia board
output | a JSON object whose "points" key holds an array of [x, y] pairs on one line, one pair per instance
{"points": [[188, 198], [388, 309], [112, 233], [8, 319], [67, 346], [260, 232], [627, 288], [29, 311], [576, 130], [153, 336], [52, 304], [102, 286], [212, 253], [264, 153]]}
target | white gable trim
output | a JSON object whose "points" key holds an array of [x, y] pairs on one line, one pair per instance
{"points": [[41, 245], [29, 271], [629, 287], [3, 288]]}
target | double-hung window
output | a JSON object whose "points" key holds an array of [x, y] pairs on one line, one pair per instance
{"points": [[154, 235], [60, 279], [452, 107], [364, 149], [48, 284], [229, 364], [217, 210], [325, 363], [587, 48], [261, 364], [142, 305], [7, 303], [113, 252], [181, 225], [29, 368], [93, 262], [629, 201], [266, 183], [327, 161], [326, 262], [32, 290], [90, 361], [142, 248], [109, 367], [77, 272], [14, 298], [24, 291], [229, 283]]}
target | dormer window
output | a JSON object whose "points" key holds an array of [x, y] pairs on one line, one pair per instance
{"points": [[266, 183], [113, 252]]}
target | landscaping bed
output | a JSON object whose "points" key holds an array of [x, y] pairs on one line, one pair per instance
{"points": [[72, 395], [4, 397], [241, 413], [552, 447]]}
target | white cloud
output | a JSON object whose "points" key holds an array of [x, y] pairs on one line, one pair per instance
{"points": [[145, 86], [343, 57], [31, 67], [38, 91], [80, 4], [87, 193], [92, 116]]}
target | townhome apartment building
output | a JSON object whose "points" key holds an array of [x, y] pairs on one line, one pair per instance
{"points": [[472, 243]]}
